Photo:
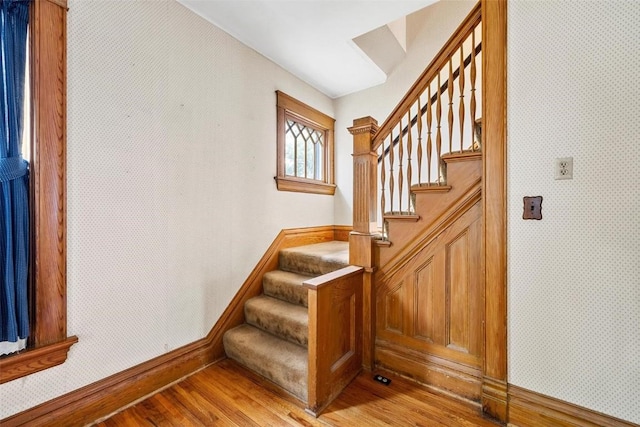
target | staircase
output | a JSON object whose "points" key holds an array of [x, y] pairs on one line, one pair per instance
{"points": [[421, 174], [274, 340]]}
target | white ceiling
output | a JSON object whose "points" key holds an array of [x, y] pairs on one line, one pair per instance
{"points": [[312, 39]]}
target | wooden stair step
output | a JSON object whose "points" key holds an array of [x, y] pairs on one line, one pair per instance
{"points": [[400, 216], [465, 155], [430, 188]]}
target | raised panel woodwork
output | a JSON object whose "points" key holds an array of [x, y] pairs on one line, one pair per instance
{"points": [[335, 334], [424, 287], [393, 310], [342, 329], [430, 309], [457, 286]]}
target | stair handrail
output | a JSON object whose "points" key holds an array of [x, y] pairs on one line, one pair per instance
{"points": [[434, 98], [439, 61]]}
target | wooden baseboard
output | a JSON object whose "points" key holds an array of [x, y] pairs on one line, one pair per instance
{"points": [[531, 409], [494, 398], [89, 403], [94, 401]]}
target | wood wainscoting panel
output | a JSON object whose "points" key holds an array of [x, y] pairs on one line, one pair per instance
{"points": [[426, 295], [457, 290], [335, 334], [430, 310], [531, 409]]}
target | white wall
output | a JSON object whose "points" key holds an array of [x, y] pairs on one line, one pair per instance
{"points": [[427, 30], [171, 198], [574, 276]]}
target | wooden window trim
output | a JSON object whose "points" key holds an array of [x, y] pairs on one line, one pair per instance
{"points": [[289, 107], [48, 341]]}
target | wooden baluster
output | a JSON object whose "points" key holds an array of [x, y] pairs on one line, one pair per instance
{"points": [[383, 176], [429, 142], [400, 174], [439, 127], [461, 111], [473, 90], [391, 180], [409, 171], [450, 93], [419, 142]]}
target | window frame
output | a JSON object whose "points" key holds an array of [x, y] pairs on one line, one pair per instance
{"points": [[290, 108], [48, 344]]}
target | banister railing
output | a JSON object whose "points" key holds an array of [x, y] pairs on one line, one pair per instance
{"points": [[441, 59], [406, 150], [437, 115], [416, 120], [418, 136]]}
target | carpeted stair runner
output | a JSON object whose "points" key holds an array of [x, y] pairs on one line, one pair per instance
{"points": [[273, 341]]}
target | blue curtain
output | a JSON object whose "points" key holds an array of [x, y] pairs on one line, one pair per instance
{"points": [[14, 185]]}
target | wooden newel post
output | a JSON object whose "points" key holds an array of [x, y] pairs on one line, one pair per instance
{"points": [[364, 176], [365, 224]]}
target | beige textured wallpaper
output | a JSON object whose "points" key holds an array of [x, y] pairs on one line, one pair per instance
{"points": [[574, 276], [171, 198]]}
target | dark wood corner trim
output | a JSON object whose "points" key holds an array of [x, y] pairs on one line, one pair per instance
{"points": [[494, 199], [530, 409], [48, 342], [35, 359]]}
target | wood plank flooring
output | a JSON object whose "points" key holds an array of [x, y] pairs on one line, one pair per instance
{"points": [[226, 394]]}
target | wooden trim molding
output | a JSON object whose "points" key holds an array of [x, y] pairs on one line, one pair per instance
{"points": [[494, 135], [302, 185], [48, 343], [34, 360], [531, 409], [108, 395], [290, 108], [87, 404]]}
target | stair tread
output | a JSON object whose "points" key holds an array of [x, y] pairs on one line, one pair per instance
{"points": [[280, 361], [286, 285], [280, 318], [315, 259]]}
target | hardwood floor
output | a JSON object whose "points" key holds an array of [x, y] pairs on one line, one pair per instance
{"points": [[226, 394]]}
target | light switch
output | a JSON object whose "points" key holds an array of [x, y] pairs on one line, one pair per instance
{"points": [[532, 207]]}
